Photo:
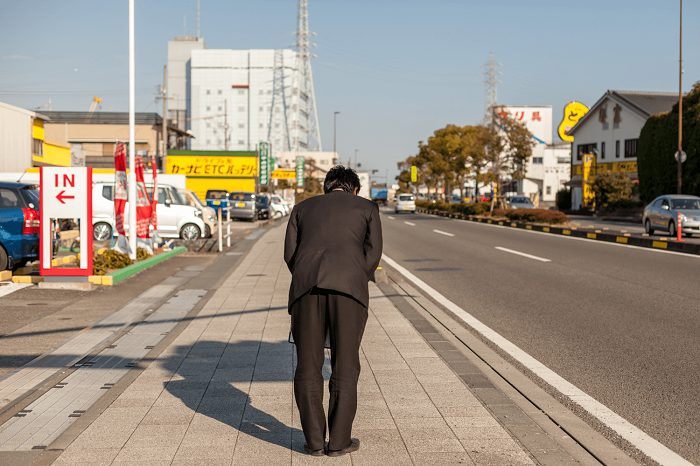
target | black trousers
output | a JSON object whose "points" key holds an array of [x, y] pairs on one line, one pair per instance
{"points": [[345, 318]]}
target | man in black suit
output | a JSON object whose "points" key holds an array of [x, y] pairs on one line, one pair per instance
{"points": [[332, 247]]}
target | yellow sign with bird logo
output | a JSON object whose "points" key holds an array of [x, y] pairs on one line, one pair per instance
{"points": [[572, 113]]}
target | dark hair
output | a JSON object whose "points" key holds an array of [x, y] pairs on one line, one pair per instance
{"points": [[343, 178]]}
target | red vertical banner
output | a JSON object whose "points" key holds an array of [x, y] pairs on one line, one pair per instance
{"points": [[120, 195], [154, 201], [143, 203]]}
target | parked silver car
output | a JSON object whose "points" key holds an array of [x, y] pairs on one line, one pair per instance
{"points": [[519, 202], [662, 214]]}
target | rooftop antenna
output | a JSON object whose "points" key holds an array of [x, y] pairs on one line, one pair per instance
{"points": [[490, 79], [304, 94], [198, 34]]}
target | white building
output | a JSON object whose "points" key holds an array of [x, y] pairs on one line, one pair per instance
{"points": [[320, 162], [557, 169], [235, 99], [610, 131], [179, 61]]}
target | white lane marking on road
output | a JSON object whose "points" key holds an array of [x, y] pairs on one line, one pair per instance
{"points": [[643, 442], [390, 217], [443, 233], [409, 223], [542, 259], [12, 287]]}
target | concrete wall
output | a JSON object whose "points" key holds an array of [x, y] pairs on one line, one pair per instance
{"points": [[16, 138]]}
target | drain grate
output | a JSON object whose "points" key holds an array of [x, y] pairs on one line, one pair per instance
{"points": [[422, 260], [256, 275]]}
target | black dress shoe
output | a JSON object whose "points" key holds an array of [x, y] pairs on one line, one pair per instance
{"points": [[311, 452], [354, 446]]}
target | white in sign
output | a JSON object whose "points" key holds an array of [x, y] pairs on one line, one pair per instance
{"points": [[66, 193]]}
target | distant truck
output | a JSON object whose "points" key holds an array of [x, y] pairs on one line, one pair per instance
{"points": [[380, 196], [364, 183]]}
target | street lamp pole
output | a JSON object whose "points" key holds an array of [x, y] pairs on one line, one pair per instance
{"points": [[680, 105], [335, 153], [355, 159]]}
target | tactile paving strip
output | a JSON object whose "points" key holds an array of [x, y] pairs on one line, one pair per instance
{"points": [[32, 375], [46, 418]]}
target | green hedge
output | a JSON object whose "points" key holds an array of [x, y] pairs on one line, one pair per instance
{"points": [[477, 208], [658, 142], [537, 216]]}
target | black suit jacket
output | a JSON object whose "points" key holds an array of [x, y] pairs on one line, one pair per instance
{"points": [[334, 241]]}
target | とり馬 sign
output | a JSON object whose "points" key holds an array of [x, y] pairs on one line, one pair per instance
{"points": [[66, 193]]}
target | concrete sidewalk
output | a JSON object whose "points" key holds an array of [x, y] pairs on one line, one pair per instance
{"points": [[221, 393]]}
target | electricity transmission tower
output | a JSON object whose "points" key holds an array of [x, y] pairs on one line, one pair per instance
{"points": [[490, 79], [304, 97], [278, 130]]}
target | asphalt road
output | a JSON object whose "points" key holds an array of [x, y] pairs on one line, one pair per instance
{"points": [[620, 323]]}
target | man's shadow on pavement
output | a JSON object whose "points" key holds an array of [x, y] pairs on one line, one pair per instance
{"points": [[213, 379]]}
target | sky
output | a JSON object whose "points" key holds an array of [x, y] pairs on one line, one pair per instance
{"points": [[396, 70]]}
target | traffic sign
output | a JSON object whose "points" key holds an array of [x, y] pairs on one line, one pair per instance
{"points": [[684, 156], [414, 174], [66, 193], [264, 164], [300, 171]]}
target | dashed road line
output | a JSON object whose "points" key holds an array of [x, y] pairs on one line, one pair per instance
{"points": [[443, 233], [409, 223], [390, 217], [541, 259]]}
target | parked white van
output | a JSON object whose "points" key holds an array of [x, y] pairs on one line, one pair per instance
{"points": [[175, 217]]}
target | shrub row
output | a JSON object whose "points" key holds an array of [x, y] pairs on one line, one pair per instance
{"points": [[477, 208], [552, 217]]}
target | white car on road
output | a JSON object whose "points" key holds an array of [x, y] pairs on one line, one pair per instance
{"points": [[406, 203]]}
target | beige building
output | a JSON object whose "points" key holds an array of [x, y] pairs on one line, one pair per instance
{"points": [[93, 136]]}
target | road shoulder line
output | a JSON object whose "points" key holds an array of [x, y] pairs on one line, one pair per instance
{"points": [[627, 431]]}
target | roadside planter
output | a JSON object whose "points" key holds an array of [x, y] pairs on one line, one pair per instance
{"points": [[124, 266]]}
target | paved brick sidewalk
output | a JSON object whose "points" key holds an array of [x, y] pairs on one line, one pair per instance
{"points": [[222, 392]]}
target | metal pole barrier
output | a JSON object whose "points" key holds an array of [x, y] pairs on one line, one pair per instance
{"points": [[679, 227], [221, 246], [228, 235]]}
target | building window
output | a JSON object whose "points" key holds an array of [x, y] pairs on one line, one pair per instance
{"points": [[261, 92], [549, 190], [241, 109], [269, 92], [219, 92], [241, 142], [261, 109], [208, 141], [208, 125], [241, 125], [602, 150], [261, 125], [241, 92], [617, 149], [208, 92], [208, 109], [564, 160], [585, 149], [537, 160], [630, 148], [38, 147], [221, 108]]}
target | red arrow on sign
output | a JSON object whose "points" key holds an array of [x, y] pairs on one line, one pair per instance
{"points": [[61, 197]]}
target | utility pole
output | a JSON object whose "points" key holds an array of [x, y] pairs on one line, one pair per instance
{"points": [[164, 153], [680, 106], [226, 125], [355, 159]]}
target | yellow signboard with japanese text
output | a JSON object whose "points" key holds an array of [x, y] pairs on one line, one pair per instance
{"points": [[284, 174], [622, 167], [211, 166]]}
